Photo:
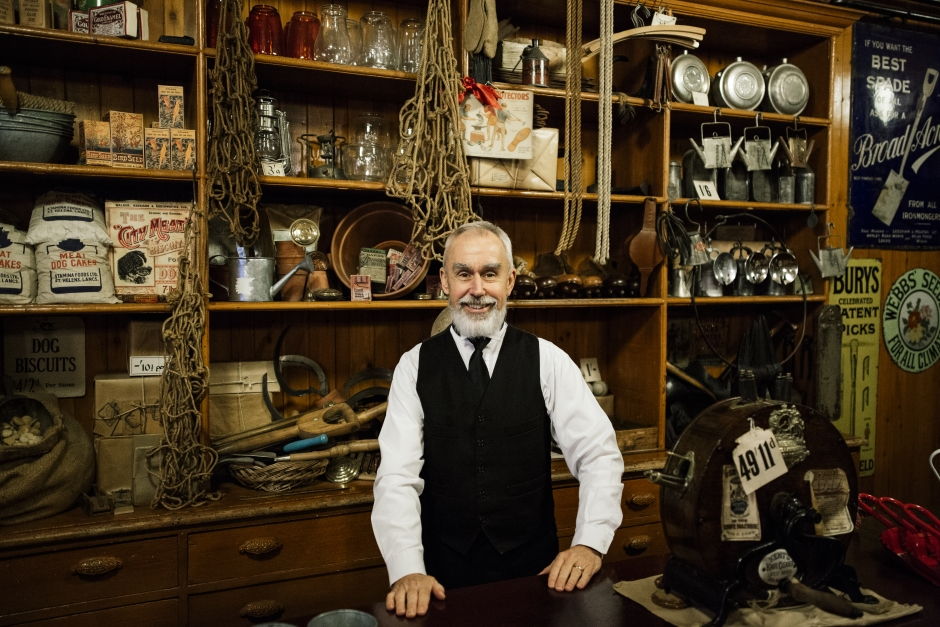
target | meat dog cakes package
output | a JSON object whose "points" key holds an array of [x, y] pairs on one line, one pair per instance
{"points": [[148, 238]]}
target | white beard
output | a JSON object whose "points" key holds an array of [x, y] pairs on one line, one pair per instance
{"points": [[469, 325]]}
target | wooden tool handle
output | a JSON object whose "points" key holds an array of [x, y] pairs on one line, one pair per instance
{"points": [[8, 90], [357, 446]]}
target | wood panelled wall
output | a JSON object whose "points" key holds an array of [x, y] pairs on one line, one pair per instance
{"points": [[908, 410]]}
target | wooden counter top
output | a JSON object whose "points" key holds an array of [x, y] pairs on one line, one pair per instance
{"points": [[236, 504]]}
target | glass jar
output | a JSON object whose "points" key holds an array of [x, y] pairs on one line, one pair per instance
{"points": [[379, 42], [411, 36], [332, 43], [301, 34], [265, 31], [355, 39]]}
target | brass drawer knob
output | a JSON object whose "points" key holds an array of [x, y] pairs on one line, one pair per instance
{"points": [[637, 544], [265, 608], [641, 501], [260, 547], [97, 566]]}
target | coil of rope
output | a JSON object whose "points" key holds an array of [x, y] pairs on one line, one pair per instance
{"points": [[574, 182]]}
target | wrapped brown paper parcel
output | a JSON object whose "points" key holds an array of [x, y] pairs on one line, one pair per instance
{"points": [[537, 173]]}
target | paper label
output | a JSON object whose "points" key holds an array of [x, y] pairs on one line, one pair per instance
{"points": [[700, 98], [829, 489], [590, 369], [149, 366], [706, 190], [662, 18], [758, 459], [775, 567], [740, 520]]}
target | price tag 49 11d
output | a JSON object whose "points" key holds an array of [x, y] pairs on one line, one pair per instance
{"points": [[758, 459]]}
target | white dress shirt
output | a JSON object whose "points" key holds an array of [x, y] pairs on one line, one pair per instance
{"points": [[578, 424]]}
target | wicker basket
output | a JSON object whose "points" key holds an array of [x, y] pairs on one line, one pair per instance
{"points": [[279, 476]]}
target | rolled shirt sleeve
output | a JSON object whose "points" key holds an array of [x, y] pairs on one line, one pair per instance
{"points": [[588, 442]]}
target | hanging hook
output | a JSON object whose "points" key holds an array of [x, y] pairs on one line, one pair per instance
{"points": [[715, 114], [827, 235], [796, 122], [686, 208], [757, 118]]}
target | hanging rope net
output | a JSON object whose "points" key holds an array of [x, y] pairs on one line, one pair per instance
{"points": [[232, 165], [185, 463], [429, 171]]}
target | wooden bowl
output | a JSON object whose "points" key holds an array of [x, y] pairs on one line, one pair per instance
{"points": [[379, 224]]}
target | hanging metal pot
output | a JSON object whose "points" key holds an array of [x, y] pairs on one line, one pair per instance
{"points": [[689, 75], [740, 85], [787, 89]]}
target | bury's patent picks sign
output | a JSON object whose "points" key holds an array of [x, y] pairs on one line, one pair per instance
{"points": [[911, 320], [895, 139]]}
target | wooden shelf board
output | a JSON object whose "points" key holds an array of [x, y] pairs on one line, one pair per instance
{"points": [[748, 205], [89, 308], [552, 303], [682, 107], [745, 300], [92, 171]]}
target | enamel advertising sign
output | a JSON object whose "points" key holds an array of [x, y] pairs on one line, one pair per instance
{"points": [[895, 139]]}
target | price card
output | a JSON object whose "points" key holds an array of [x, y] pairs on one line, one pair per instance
{"points": [[706, 190], [146, 366], [662, 18], [758, 459], [590, 370]]}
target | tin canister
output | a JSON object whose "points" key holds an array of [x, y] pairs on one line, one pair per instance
{"points": [[804, 185], [787, 89], [740, 85], [688, 75]]}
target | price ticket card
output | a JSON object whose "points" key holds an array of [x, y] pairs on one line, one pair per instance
{"points": [[758, 459]]}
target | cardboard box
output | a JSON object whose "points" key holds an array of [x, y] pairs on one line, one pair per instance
{"points": [[78, 21], [7, 12], [147, 238], [94, 142], [236, 403], [124, 465], [157, 148], [126, 405], [145, 347], [170, 111], [182, 149], [498, 132], [121, 19], [35, 13], [127, 138]]}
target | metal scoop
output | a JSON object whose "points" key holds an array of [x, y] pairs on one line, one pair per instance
{"points": [[304, 232], [757, 267]]}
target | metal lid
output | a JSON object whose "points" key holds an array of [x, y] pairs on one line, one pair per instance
{"points": [[787, 89], [689, 74], [739, 86]]}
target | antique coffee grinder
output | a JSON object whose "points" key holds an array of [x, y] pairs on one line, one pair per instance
{"points": [[272, 140], [758, 495]]}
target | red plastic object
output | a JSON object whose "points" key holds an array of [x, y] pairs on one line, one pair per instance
{"points": [[906, 535]]}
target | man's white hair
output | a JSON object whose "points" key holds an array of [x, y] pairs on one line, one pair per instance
{"points": [[481, 226]]}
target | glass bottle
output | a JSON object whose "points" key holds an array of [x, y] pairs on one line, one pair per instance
{"points": [[379, 42], [411, 31], [534, 65], [301, 34], [265, 31], [332, 43]]}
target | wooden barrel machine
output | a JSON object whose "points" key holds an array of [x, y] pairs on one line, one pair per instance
{"points": [[758, 495]]}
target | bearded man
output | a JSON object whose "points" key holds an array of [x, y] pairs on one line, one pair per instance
{"points": [[463, 493]]}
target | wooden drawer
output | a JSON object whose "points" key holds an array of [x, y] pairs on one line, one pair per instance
{"points": [[156, 614], [637, 540], [286, 599], [71, 576], [640, 504], [317, 545]]}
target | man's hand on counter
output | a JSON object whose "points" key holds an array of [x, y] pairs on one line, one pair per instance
{"points": [[411, 595], [573, 568]]}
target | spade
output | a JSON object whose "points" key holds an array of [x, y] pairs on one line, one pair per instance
{"points": [[895, 187]]}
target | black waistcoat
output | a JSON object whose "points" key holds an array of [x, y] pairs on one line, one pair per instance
{"points": [[487, 462]]}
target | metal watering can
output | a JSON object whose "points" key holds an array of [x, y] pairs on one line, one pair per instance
{"points": [[251, 279]]}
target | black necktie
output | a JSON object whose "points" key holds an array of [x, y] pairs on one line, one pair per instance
{"points": [[479, 375]]}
